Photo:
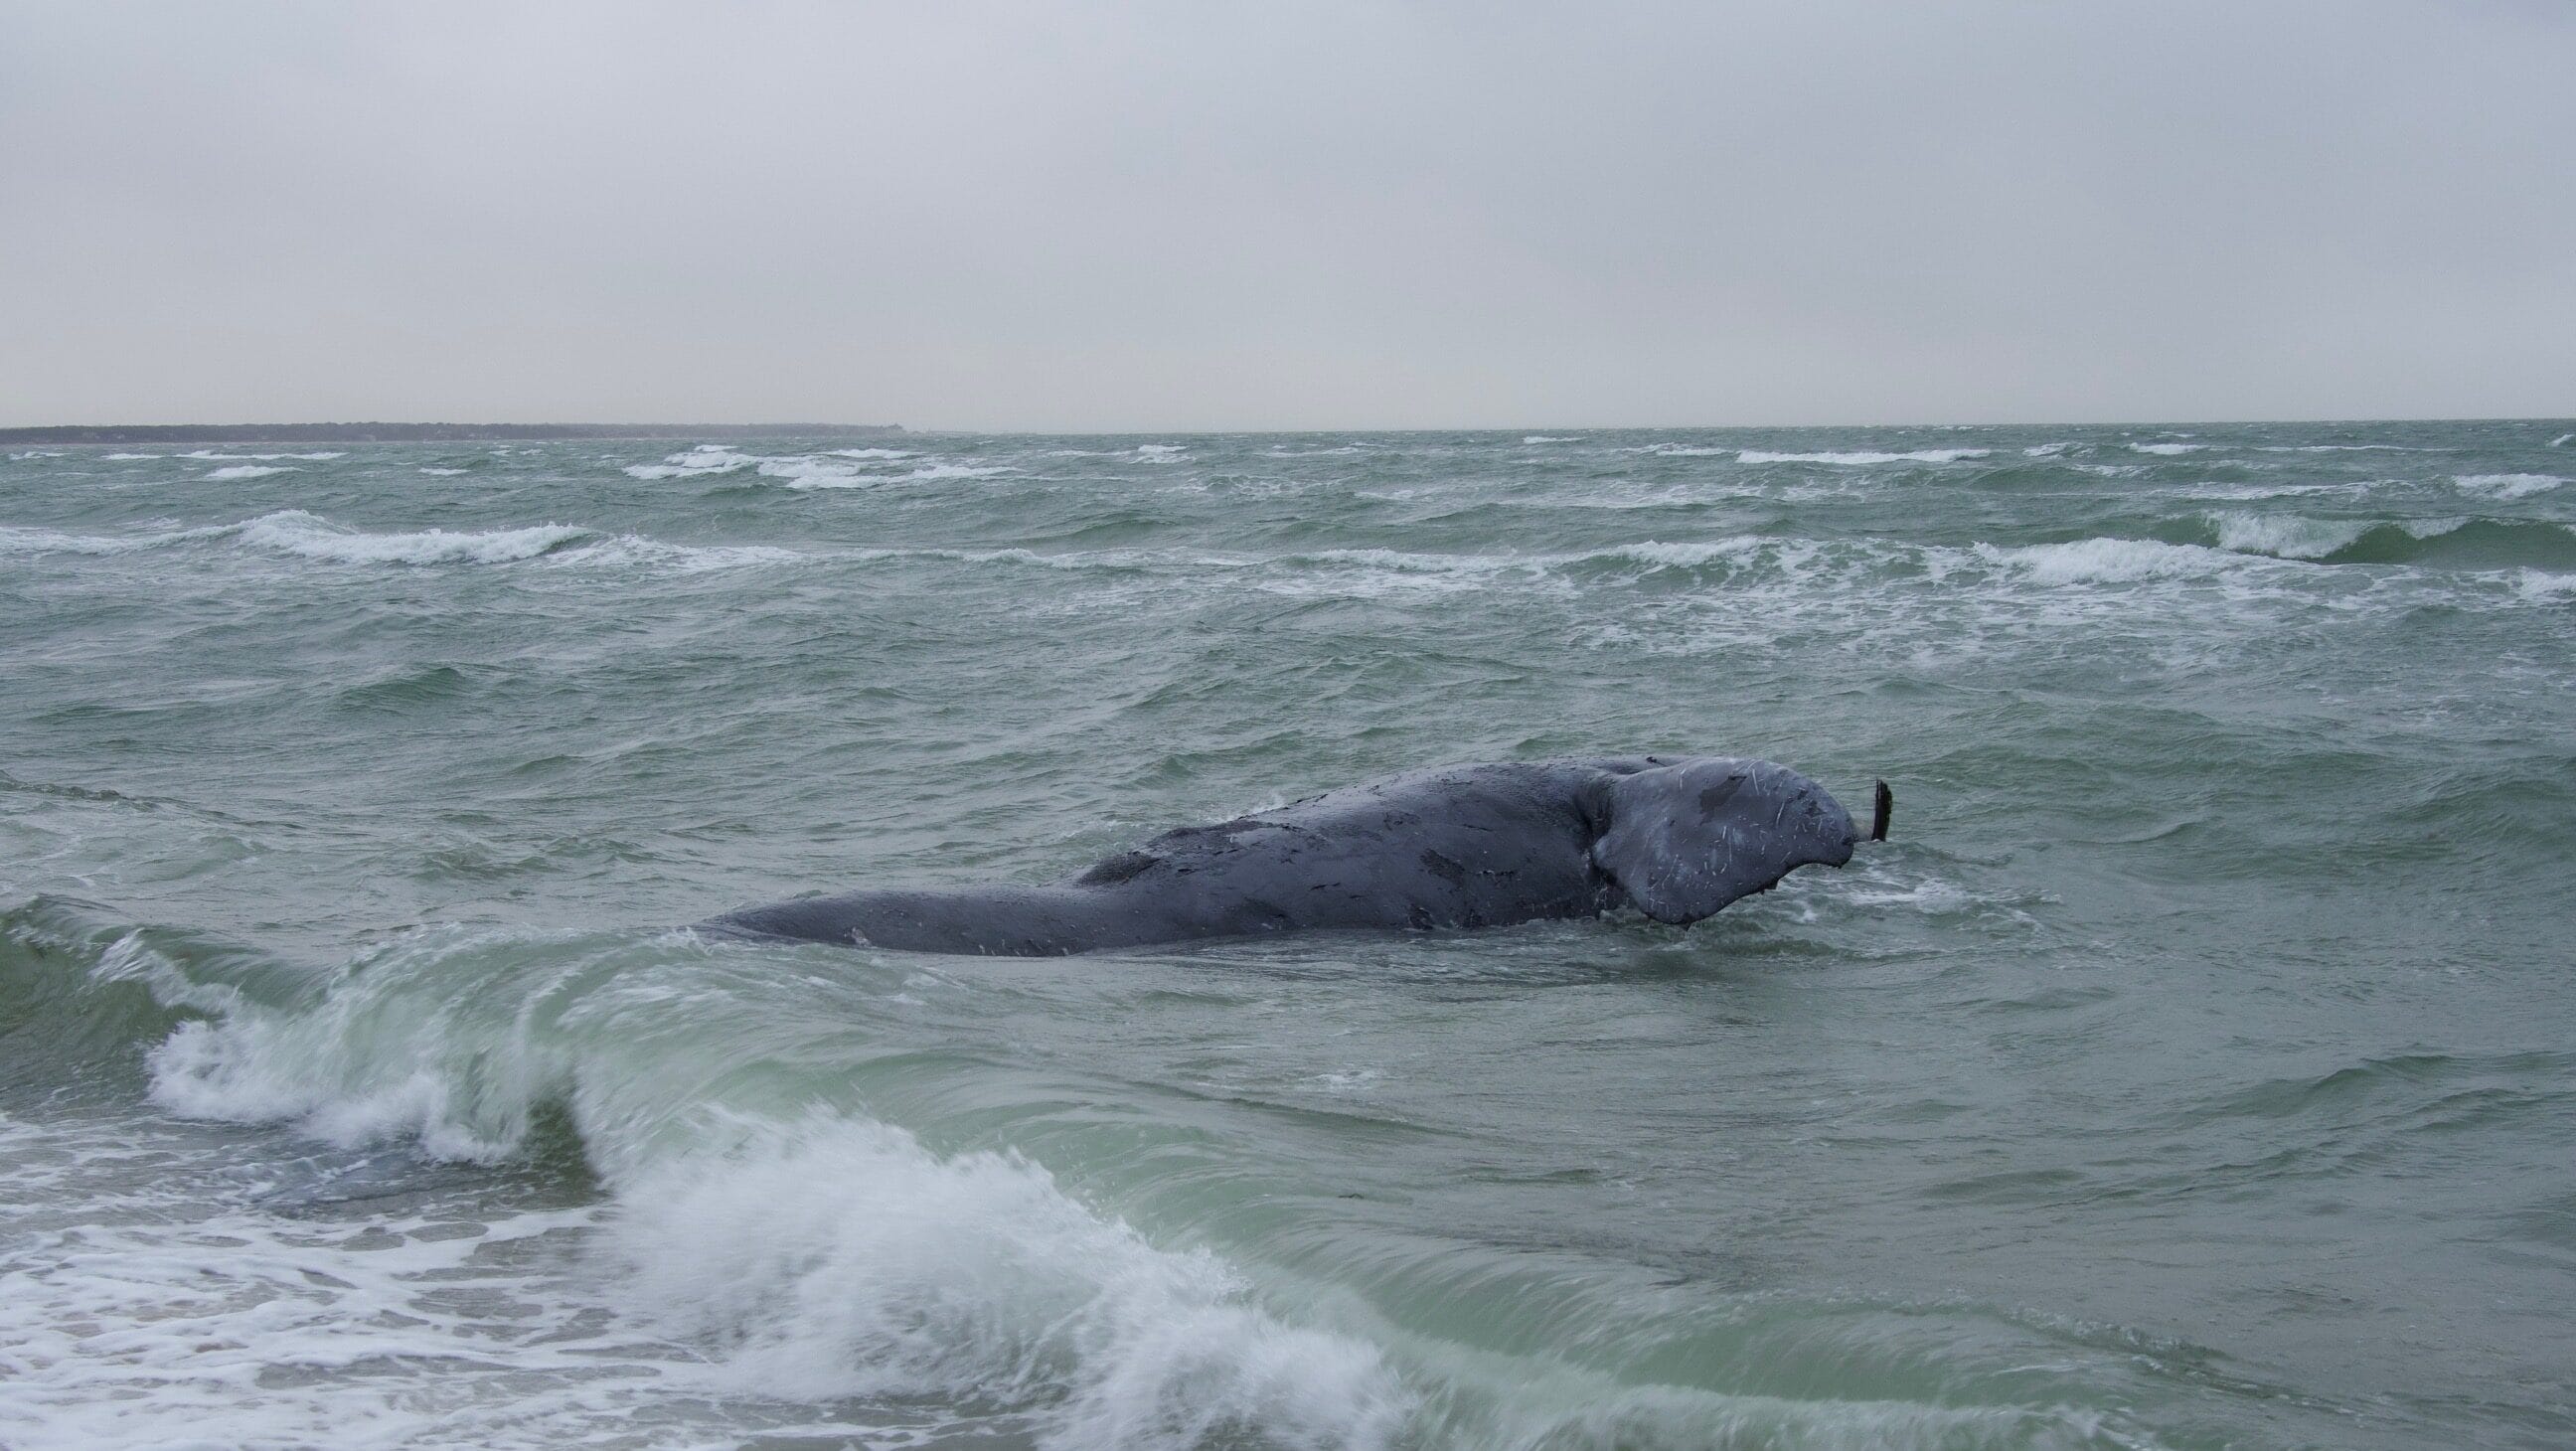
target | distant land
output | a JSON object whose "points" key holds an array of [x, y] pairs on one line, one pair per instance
{"points": [[429, 432]]}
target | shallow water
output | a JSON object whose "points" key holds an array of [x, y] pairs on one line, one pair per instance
{"points": [[2192, 1070]]}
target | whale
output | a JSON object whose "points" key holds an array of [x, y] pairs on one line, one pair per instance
{"points": [[1676, 838]]}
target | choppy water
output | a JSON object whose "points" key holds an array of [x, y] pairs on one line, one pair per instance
{"points": [[2196, 1069]]}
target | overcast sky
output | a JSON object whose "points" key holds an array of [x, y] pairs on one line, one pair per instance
{"points": [[1208, 215]]}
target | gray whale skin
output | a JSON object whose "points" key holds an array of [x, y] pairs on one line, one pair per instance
{"points": [[1676, 837]]}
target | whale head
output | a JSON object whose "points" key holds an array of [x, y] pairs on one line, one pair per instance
{"points": [[1683, 840]]}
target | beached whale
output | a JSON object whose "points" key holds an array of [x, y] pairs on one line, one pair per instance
{"points": [[1676, 837]]}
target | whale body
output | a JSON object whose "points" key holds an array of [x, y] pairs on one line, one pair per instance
{"points": [[1675, 837]]}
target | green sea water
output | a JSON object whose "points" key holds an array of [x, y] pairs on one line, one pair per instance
{"points": [[2195, 1068]]}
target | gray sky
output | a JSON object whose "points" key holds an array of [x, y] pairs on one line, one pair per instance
{"points": [[1213, 215]]}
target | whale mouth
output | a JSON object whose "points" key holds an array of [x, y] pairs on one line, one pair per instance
{"points": [[1882, 806]]}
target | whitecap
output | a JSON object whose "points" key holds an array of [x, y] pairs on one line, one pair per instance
{"points": [[1862, 456], [207, 453], [237, 472], [1660, 555], [2542, 588], [2506, 486], [129, 457], [1677, 450], [2286, 536], [1159, 452], [870, 453], [638, 551], [443, 473], [1381, 573], [293, 531], [2167, 450], [803, 471], [1550, 438], [2111, 561], [694, 463], [19, 540], [883, 1269]]}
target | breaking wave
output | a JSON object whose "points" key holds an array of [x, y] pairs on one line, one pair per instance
{"points": [[2111, 561], [293, 531], [1862, 456], [2507, 486], [299, 534]]}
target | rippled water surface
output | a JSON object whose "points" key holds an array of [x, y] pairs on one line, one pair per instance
{"points": [[2196, 1068]]}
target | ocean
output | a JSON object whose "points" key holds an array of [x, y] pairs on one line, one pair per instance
{"points": [[2195, 1067]]}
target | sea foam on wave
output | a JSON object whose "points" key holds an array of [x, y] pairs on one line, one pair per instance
{"points": [[2506, 486], [2112, 561], [300, 534], [839, 1257], [694, 463], [1863, 456], [297, 532], [2288, 536], [813, 1255], [840, 468]]}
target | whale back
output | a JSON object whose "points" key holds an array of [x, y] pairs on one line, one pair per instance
{"points": [[1683, 840]]}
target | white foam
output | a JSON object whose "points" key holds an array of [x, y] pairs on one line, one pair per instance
{"points": [[299, 534], [2561, 440], [2506, 486], [1686, 556], [1159, 452], [1549, 438], [878, 1268], [2111, 561], [129, 457], [637, 550], [1863, 457], [2287, 536], [2047, 450], [2167, 450], [15, 539], [207, 453], [2542, 588], [871, 453], [807, 472], [442, 473], [247, 471], [803, 471], [293, 531], [694, 463], [881, 1269]]}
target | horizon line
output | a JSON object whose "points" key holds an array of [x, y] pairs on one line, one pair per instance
{"points": [[177, 432]]}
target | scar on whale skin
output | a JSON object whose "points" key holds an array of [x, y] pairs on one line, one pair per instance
{"points": [[1675, 837]]}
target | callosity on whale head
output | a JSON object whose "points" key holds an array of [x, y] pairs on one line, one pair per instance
{"points": [[1683, 840], [1475, 845]]}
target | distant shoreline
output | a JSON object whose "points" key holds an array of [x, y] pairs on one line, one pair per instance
{"points": [[429, 432]]}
